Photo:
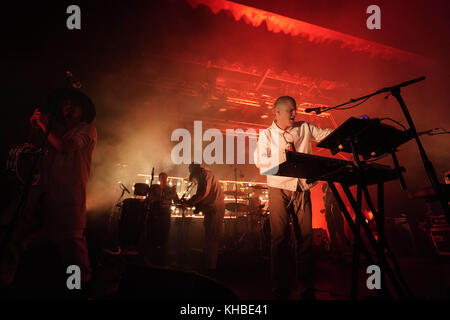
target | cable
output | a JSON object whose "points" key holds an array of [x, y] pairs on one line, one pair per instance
{"points": [[353, 106], [379, 158], [343, 108], [401, 125], [435, 134], [443, 131]]}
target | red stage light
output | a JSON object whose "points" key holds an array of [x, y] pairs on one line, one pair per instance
{"points": [[277, 23]]}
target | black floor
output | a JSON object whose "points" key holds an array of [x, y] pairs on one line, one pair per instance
{"points": [[241, 275], [243, 272]]}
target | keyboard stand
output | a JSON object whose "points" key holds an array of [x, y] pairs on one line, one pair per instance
{"points": [[378, 252]]}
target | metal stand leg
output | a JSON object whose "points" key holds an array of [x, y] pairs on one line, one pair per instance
{"points": [[355, 230], [380, 252], [356, 250], [429, 168], [380, 229]]}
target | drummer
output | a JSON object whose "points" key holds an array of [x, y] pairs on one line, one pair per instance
{"points": [[168, 193]]}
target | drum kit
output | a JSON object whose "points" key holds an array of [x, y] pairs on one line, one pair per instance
{"points": [[247, 205], [249, 229], [141, 219]]}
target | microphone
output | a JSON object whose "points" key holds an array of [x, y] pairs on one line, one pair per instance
{"points": [[125, 188], [153, 174], [428, 132], [316, 110]]}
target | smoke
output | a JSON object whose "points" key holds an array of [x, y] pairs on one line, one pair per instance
{"points": [[134, 136], [135, 120], [148, 69]]}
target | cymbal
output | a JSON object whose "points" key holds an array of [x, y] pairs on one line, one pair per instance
{"points": [[234, 193], [241, 207], [258, 187], [179, 205]]}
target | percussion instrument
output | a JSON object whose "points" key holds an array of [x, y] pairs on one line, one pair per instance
{"points": [[236, 207], [141, 189], [235, 194], [131, 222], [20, 163]]}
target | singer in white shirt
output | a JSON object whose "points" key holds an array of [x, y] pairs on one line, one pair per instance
{"points": [[289, 198]]}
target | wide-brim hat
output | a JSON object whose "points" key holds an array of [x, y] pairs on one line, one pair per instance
{"points": [[56, 98]]}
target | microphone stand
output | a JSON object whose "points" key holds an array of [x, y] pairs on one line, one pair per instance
{"points": [[124, 189], [149, 206], [181, 236], [235, 191], [153, 176], [183, 208], [429, 168]]}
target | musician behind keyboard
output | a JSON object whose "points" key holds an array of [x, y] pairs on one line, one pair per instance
{"points": [[289, 198]]}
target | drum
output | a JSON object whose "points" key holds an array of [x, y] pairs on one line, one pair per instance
{"points": [[158, 224], [265, 236], [141, 189], [20, 162], [255, 214], [131, 222], [239, 208]]}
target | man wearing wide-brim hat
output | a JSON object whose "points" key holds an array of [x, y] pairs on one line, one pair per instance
{"points": [[61, 192]]}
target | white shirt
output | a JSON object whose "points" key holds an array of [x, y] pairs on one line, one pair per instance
{"points": [[273, 142]]}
